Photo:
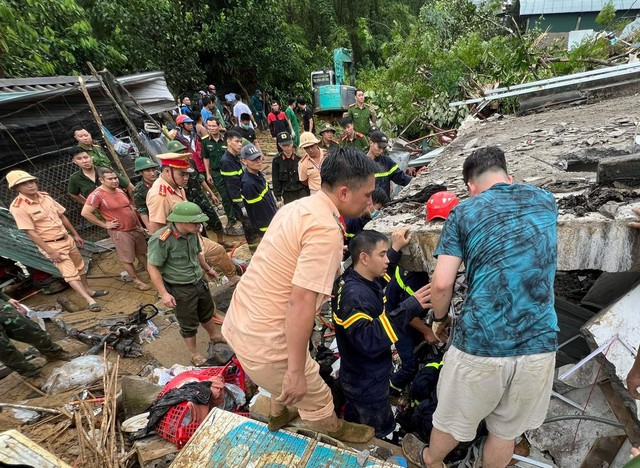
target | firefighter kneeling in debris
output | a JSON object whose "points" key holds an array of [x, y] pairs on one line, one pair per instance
{"points": [[365, 331]]}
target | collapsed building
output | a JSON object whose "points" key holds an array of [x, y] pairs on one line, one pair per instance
{"points": [[587, 156]]}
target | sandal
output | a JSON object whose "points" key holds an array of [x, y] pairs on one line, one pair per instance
{"points": [[198, 360], [95, 307], [99, 293], [413, 449]]}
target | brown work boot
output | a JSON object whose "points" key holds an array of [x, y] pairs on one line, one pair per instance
{"points": [[353, 433], [284, 418], [61, 355]]}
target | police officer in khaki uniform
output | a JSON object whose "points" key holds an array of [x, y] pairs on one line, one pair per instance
{"points": [[176, 266], [44, 221]]}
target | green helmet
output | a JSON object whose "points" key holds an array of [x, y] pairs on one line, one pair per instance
{"points": [[174, 146], [141, 164], [187, 212]]}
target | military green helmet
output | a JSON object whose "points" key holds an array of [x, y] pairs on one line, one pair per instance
{"points": [[187, 212], [141, 164], [174, 146]]}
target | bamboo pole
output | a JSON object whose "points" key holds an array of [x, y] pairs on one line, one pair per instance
{"points": [[119, 107], [98, 120]]}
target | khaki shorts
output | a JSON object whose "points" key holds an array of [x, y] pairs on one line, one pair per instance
{"points": [[510, 393], [317, 404], [129, 244], [72, 265]]}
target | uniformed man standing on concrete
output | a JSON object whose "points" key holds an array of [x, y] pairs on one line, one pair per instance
{"points": [[363, 115], [15, 326], [148, 169], [43, 219], [388, 170], [176, 266], [291, 275]]}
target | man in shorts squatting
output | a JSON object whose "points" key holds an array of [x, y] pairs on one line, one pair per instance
{"points": [[501, 362]]}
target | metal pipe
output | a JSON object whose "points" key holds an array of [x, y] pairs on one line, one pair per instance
{"points": [[584, 416]]}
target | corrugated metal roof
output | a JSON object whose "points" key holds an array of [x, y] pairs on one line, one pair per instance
{"points": [[19, 247], [549, 7]]}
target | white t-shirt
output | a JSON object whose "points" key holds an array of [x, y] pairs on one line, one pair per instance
{"points": [[241, 108]]}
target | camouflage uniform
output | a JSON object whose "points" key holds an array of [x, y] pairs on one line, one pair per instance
{"points": [[14, 325], [196, 194], [140, 197]]}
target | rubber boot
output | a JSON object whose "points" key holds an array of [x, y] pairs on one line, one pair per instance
{"points": [[284, 418], [353, 433]]}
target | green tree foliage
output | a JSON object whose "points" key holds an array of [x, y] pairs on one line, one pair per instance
{"points": [[40, 38], [607, 15]]}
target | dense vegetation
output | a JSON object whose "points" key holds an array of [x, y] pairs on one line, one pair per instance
{"points": [[413, 56]]}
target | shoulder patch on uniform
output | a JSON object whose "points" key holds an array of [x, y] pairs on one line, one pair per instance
{"points": [[351, 105], [359, 135], [162, 191], [163, 237], [204, 137], [18, 202]]}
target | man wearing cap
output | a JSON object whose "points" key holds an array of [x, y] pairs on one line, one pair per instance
{"points": [[256, 193], [213, 147], [176, 267], [190, 139], [363, 115], [231, 170], [327, 138], [148, 170], [351, 138], [271, 315], [167, 191], [85, 181], [309, 165], [120, 221], [284, 172], [388, 170], [85, 141], [198, 192], [257, 102], [43, 219]]}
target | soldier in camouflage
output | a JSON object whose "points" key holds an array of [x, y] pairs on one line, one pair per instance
{"points": [[15, 326], [148, 169]]}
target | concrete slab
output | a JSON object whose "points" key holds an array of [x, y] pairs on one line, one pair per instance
{"points": [[588, 134], [619, 321]]}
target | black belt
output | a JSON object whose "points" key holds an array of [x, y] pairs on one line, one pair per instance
{"points": [[58, 239]]}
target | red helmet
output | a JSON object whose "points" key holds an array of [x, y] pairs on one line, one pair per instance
{"points": [[440, 205], [183, 119]]}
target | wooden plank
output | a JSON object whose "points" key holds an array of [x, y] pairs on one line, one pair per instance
{"points": [[603, 452], [154, 451], [228, 440], [622, 412]]}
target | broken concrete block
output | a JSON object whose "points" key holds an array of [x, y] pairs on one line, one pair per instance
{"points": [[609, 209], [625, 169]]}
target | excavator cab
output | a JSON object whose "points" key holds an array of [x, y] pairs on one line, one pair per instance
{"points": [[334, 90]]}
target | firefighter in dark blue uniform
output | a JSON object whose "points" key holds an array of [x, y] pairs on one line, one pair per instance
{"points": [[402, 284], [255, 191], [231, 172], [365, 331], [389, 170]]}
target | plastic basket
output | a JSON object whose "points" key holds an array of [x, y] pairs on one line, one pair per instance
{"points": [[172, 426]]}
